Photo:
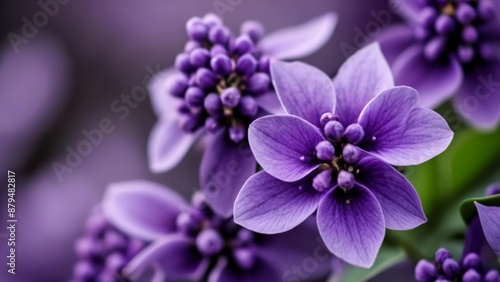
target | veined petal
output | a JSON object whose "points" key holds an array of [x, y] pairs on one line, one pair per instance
{"points": [[399, 132], [435, 81], [175, 255], [279, 142], [168, 144], [303, 90], [394, 40], [224, 271], [364, 75], [397, 197], [299, 41], [478, 100], [268, 205], [490, 221], [352, 225], [142, 209], [224, 169]]}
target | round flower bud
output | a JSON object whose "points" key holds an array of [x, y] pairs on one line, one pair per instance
{"points": [[492, 276], [471, 275], [258, 82], [209, 242], [243, 44], [351, 154], [221, 64], [115, 241], [354, 133], [334, 130], [198, 200], [451, 267], [115, 262], [441, 255], [96, 224], [213, 104], [465, 13], [465, 54], [472, 261], [246, 65], [189, 122], [205, 78], [237, 133], [427, 16], [345, 180], [322, 180], [326, 117], [211, 20], [248, 106], [264, 64], [191, 45], [245, 257], [177, 84], [182, 63], [218, 49], [196, 29], [425, 271], [245, 236], [85, 271], [253, 29], [470, 34], [86, 248], [199, 57], [325, 151], [219, 35], [212, 124], [444, 24], [434, 48], [230, 97], [194, 97]]}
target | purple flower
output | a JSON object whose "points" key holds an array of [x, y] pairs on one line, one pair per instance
{"points": [[333, 153], [470, 269], [219, 84], [191, 242], [446, 49], [103, 250]]}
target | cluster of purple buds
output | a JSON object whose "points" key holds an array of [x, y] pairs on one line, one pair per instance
{"points": [[103, 251], [216, 236], [339, 153], [445, 268], [454, 26], [220, 77]]}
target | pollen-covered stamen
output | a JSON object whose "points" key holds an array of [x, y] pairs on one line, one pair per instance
{"points": [[220, 77], [453, 27], [209, 242]]}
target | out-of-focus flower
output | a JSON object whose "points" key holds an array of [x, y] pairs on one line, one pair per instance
{"points": [[335, 155], [489, 217], [103, 250], [449, 49], [445, 268], [219, 84], [192, 242]]}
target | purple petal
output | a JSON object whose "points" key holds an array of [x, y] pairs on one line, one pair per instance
{"points": [[270, 102], [401, 133], [224, 169], [479, 98], [268, 205], [394, 40], [299, 84], [397, 197], [360, 78], [352, 225], [490, 221], [142, 209], [163, 103], [408, 9], [174, 254], [224, 271], [168, 144], [435, 81], [279, 142], [299, 41]]}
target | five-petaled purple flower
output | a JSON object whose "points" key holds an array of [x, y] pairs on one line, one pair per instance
{"points": [[191, 242], [219, 84], [449, 47], [335, 152]]}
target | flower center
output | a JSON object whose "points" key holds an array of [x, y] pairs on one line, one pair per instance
{"points": [[215, 236], [221, 77], [338, 154], [454, 27]]}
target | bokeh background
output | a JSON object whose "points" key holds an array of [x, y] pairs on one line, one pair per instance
{"points": [[64, 79]]}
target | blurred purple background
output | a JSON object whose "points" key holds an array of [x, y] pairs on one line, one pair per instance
{"points": [[64, 80]]}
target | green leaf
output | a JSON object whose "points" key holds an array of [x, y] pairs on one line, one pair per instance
{"points": [[388, 257], [468, 208]]}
